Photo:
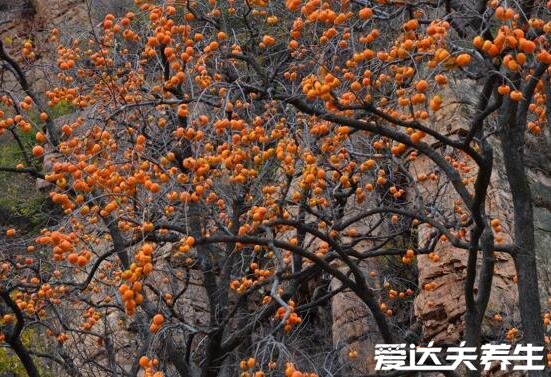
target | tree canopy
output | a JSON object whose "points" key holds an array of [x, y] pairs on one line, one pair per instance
{"points": [[231, 166]]}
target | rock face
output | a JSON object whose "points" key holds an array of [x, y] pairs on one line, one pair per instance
{"points": [[354, 329], [22, 20], [33, 20], [441, 307], [541, 195]]}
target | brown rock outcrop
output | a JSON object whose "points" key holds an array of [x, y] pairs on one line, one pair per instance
{"points": [[354, 330], [441, 308]]}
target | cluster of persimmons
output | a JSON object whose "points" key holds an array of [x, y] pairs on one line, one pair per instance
{"points": [[155, 83]]}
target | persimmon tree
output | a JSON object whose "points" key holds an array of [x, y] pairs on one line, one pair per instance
{"points": [[253, 147]]}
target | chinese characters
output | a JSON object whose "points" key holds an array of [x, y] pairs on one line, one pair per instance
{"points": [[419, 358]]}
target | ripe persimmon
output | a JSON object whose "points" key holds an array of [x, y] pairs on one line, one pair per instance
{"points": [[463, 60], [37, 151], [365, 13], [516, 95], [158, 319]]}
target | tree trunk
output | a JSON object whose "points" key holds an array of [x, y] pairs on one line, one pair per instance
{"points": [[24, 357], [354, 329], [512, 143]]}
